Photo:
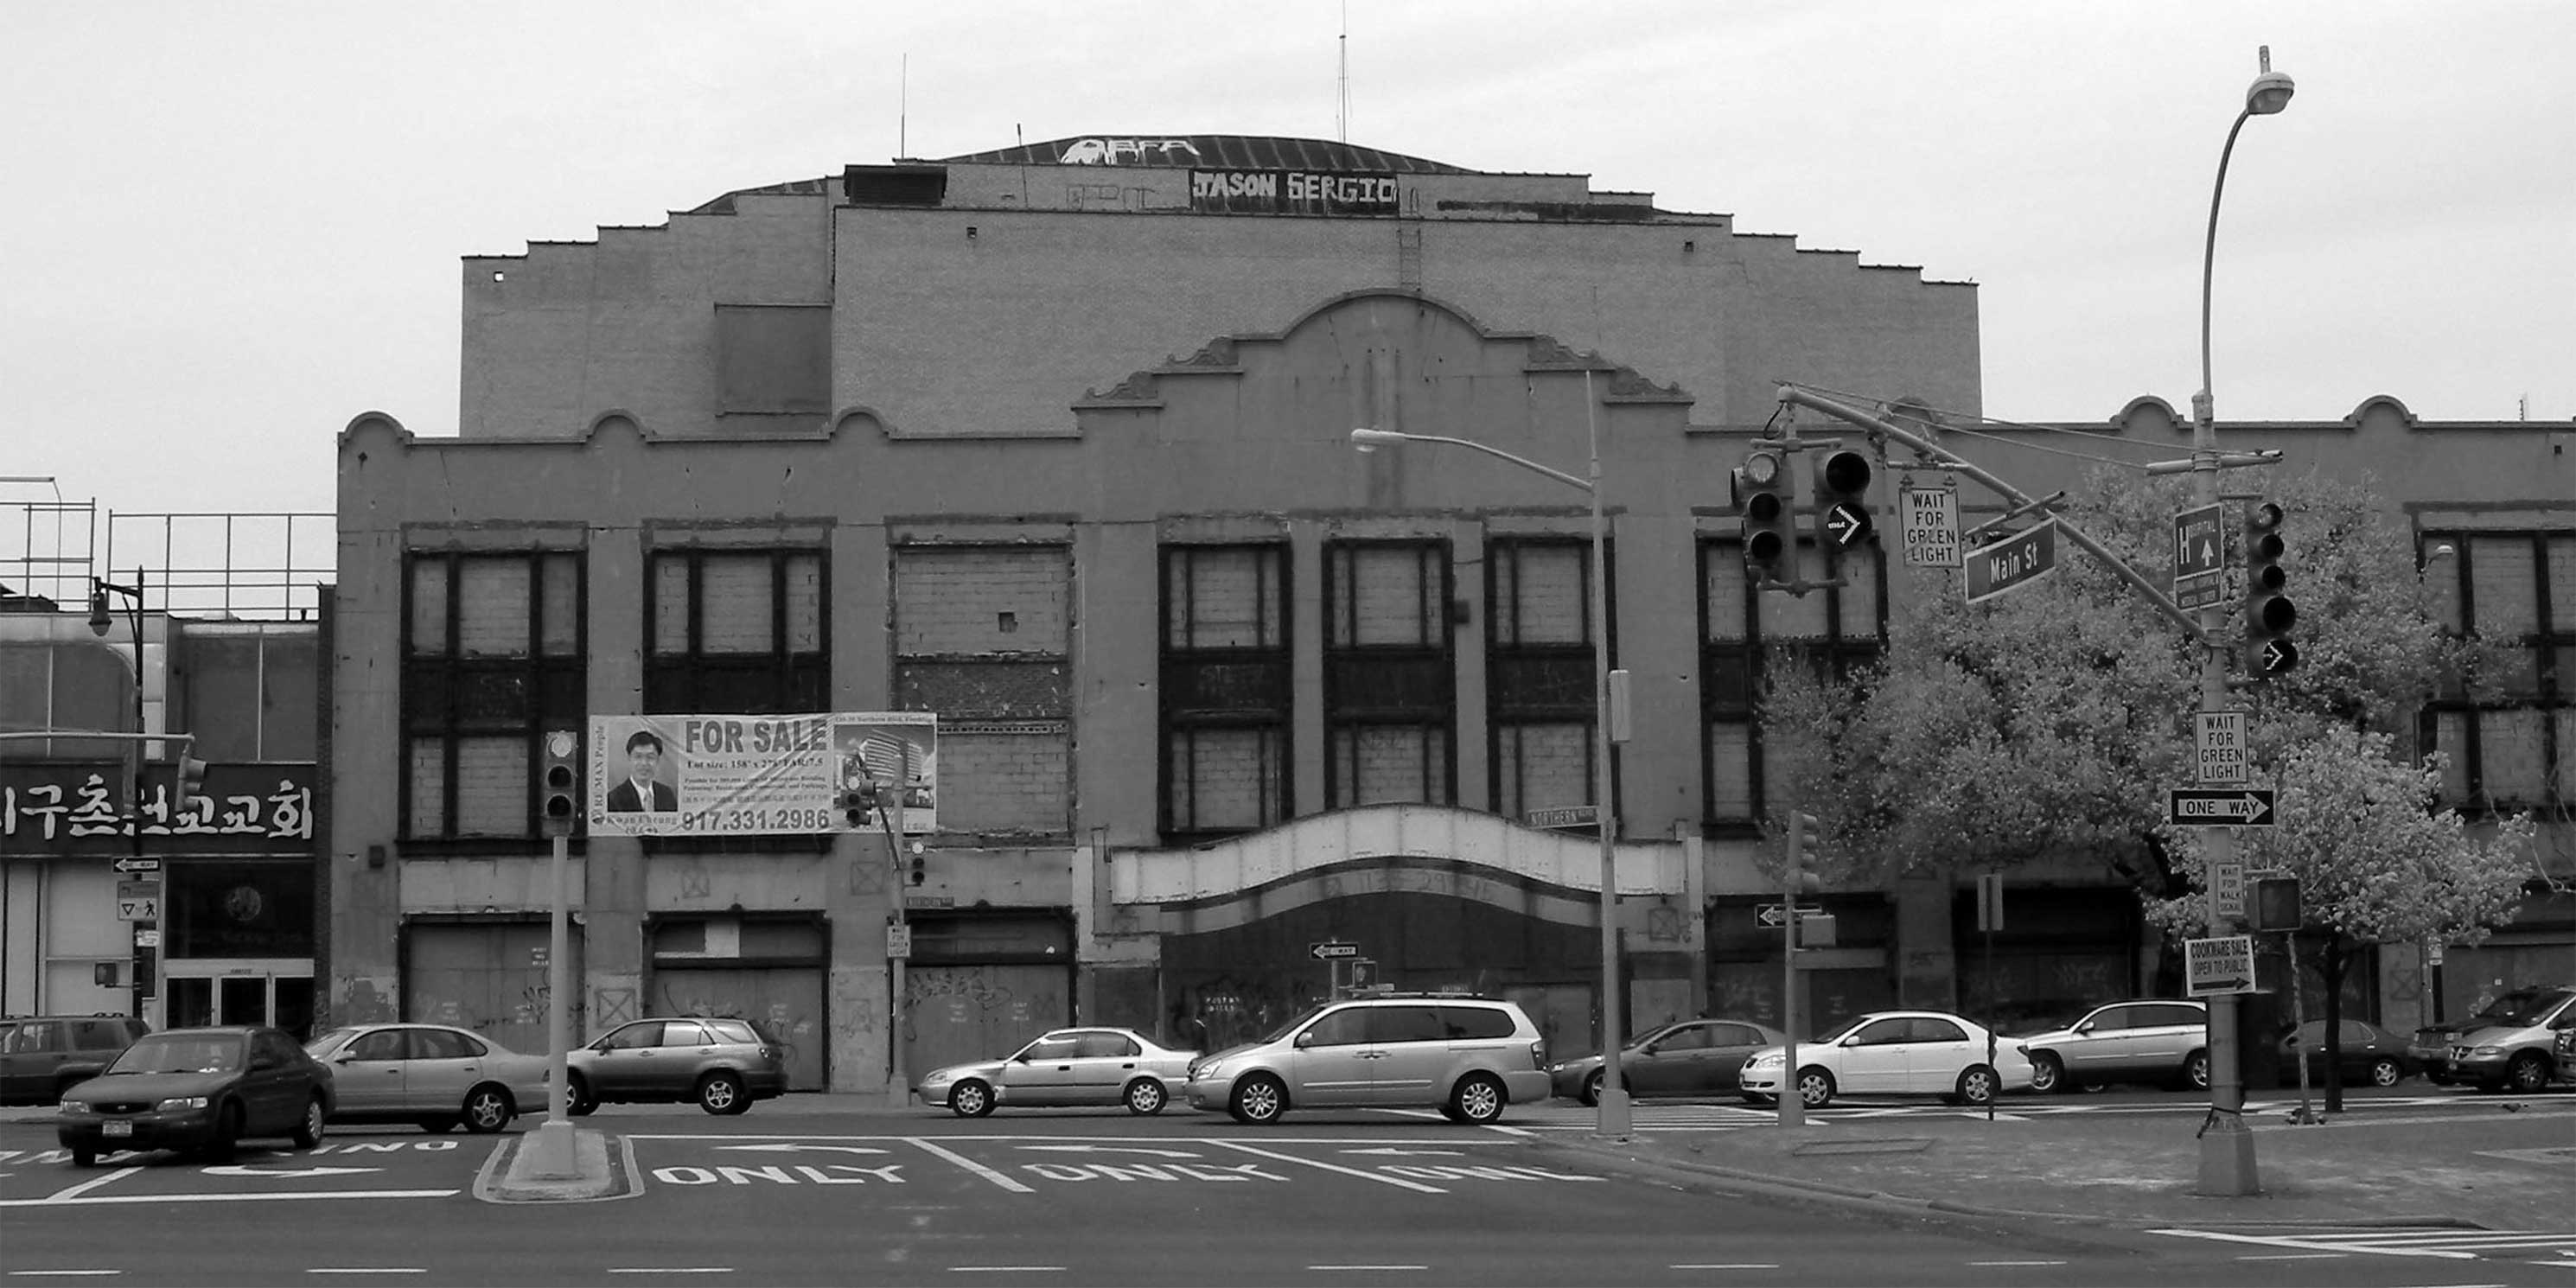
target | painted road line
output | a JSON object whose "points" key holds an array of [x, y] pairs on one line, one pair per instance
{"points": [[2295, 1256], [1390, 1267], [86, 1186], [66, 1272], [670, 1270], [92, 1201], [1397, 1181], [2016, 1263], [1726, 1265], [970, 1165], [365, 1270]]}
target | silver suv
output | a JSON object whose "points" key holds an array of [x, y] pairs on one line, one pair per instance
{"points": [[2143, 1041], [1467, 1056]]}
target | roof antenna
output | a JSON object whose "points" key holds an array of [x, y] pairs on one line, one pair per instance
{"points": [[902, 106], [1343, 116]]}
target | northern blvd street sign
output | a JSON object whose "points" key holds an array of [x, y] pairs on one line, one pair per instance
{"points": [[2222, 965], [1331, 949], [2013, 562], [2219, 807]]}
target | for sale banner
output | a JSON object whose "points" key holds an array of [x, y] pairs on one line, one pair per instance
{"points": [[761, 775]]}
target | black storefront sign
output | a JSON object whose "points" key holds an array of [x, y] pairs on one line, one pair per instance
{"points": [[1293, 192], [62, 808]]}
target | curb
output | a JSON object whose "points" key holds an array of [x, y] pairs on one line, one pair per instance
{"points": [[606, 1164], [1758, 1184]]}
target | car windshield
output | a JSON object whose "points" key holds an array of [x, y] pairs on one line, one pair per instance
{"points": [[173, 1054], [2523, 1008], [321, 1046], [1285, 1029], [1839, 1034]]}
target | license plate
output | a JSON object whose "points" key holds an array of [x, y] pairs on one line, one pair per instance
{"points": [[115, 1129]]}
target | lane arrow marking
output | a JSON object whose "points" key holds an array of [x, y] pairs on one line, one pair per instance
{"points": [[245, 1170]]}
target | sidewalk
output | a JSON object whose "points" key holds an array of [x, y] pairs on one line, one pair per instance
{"points": [[2493, 1167]]}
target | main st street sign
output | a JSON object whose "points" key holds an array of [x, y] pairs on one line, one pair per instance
{"points": [[2014, 562]]}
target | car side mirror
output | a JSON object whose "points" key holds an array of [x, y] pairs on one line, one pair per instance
{"points": [[345, 1057], [1853, 1040], [1647, 1049], [1305, 1040], [2085, 1027]]}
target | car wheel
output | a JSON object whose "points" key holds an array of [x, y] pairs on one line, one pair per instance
{"points": [[2046, 1074], [84, 1156], [308, 1129], [721, 1093], [1146, 1097], [972, 1098], [2385, 1072], [1977, 1086], [437, 1126], [488, 1109], [1258, 1100], [577, 1101], [2528, 1073], [1479, 1099], [1592, 1089], [1815, 1087], [2195, 1071]]}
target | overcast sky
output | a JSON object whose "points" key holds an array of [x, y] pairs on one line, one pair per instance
{"points": [[231, 227]]}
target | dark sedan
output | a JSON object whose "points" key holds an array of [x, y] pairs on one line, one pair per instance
{"points": [[1689, 1058], [198, 1089], [2369, 1053]]}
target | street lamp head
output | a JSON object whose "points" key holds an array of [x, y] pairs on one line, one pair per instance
{"points": [[2269, 93], [1368, 440], [99, 621]]}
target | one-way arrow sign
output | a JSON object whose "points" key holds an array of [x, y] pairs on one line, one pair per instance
{"points": [[1846, 524], [1772, 914], [136, 865], [2231, 807], [1330, 949]]}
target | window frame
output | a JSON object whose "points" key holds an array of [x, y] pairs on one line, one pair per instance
{"points": [[542, 673], [2550, 649], [1274, 724], [1751, 655], [1436, 715], [799, 681], [1507, 715]]}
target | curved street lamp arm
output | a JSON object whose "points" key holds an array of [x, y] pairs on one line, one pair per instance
{"points": [[1367, 438]]}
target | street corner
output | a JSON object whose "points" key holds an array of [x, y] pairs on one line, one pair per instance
{"points": [[603, 1168]]}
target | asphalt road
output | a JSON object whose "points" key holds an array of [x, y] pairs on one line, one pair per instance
{"points": [[1066, 1198]]}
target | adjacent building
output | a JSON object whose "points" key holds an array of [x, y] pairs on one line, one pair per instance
{"points": [[1055, 442]]}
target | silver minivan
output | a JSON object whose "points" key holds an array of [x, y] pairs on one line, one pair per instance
{"points": [[1466, 1056]]}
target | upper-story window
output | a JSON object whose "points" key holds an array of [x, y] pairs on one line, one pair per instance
{"points": [[1390, 694], [1227, 698], [1540, 672], [492, 657], [1840, 630], [2513, 746], [737, 631]]}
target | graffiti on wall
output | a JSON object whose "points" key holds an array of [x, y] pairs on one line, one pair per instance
{"points": [[958, 991]]}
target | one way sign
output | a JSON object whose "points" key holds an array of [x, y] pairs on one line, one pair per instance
{"points": [[2230, 807]]}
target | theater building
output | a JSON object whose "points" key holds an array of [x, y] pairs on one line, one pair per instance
{"points": [[1055, 442]]}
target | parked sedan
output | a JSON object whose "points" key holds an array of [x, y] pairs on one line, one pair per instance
{"points": [[722, 1064], [1909, 1053], [429, 1074], [1689, 1058], [2370, 1053], [198, 1089], [1082, 1066]]}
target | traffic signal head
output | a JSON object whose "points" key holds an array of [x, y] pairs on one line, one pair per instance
{"points": [[191, 776], [2269, 614], [559, 783], [1761, 495], [920, 869], [2275, 904], [1842, 499], [858, 802]]}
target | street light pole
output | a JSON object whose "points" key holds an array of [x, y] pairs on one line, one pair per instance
{"points": [[1611, 1113], [99, 622], [2227, 1165]]}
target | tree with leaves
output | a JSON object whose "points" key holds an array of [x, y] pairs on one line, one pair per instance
{"points": [[2045, 725], [2376, 862]]}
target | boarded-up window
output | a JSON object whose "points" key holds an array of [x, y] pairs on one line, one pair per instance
{"points": [[1226, 696], [774, 359], [983, 635], [736, 631], [1390, 686], [1541, 676], [492, 658]]}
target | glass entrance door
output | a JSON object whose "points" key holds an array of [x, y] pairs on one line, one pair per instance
{"points": [[196, 993]]}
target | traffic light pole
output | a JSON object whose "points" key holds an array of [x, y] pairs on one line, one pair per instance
{"points": [[551, 1146]]}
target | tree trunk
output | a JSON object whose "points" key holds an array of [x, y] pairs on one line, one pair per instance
{"points": [[2332, 966]]}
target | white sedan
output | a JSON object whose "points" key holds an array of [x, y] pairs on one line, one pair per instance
{"points": [[431, 1074], [1901, 1053], [1078, 1066]]}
